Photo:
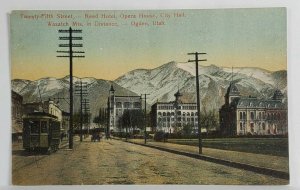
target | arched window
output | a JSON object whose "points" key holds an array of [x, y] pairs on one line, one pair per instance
{"points": [[159, 113], [192, 114], [168, 114], [119, 105], [241, 115], [263, 126], [164, 113], [244, 115], [188, 114], [252, 115]]}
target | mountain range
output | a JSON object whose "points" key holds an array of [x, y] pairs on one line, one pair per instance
{"points": [[161, 83]]}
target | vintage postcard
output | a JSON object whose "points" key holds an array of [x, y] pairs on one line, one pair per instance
{"points": [[149, 97]]}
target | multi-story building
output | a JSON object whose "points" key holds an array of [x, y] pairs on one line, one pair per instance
{"points": [[169, 116], [17, 122], [250, 115], [117, 105]]}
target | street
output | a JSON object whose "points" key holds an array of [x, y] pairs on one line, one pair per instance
{"points": [[117, 162]]}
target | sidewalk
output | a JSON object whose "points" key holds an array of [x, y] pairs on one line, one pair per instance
{"points": [[266, 161]]}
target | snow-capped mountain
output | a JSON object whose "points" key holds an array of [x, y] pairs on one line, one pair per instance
{"points": [[55, 89], [163, 82]]}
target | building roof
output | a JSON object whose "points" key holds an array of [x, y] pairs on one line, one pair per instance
{"points": [[177, 94], [112, 88], [13, 93], [253, 102], [232, 90]]}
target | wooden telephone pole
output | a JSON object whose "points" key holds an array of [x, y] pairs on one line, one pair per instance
{"points": [[145, 117], [198, 96], [70, 54], [81, 90]]}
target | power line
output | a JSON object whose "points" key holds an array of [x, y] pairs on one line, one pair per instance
{"points": [[145, 118], [70, 54], [81, 90], [197, 60]]}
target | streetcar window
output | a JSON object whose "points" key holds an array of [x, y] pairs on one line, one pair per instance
{"points": [[34, 126], [44, 127]]}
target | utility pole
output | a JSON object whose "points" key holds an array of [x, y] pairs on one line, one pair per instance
{"points": [[81, 90], [70, 55], [198, 95], [86, 110], [145, 118]]}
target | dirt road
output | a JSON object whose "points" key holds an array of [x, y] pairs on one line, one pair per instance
{"points": [[116, 162]]}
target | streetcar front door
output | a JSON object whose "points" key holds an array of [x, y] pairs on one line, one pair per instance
{"points": [[44, 141]]}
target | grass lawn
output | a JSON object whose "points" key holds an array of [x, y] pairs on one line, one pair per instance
{"points": [[269, 146]]}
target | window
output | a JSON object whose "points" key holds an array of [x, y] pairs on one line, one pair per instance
{"points": [[241, 115], [252, 115], [179, 113], [137, 104], [119, 105], [252, 127], [44, 127], [164, 113], [172, 114], [241, 126], [126, 104], [263, 126], [34, 126]]}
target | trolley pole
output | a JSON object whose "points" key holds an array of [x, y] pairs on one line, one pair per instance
{"points": [[70, 55], [198, 96], [145, 117]]}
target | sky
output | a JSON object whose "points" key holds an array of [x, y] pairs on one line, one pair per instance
{"points": [[230, 37]]}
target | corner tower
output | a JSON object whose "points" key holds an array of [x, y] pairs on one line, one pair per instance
{"points": [[232, 93]]}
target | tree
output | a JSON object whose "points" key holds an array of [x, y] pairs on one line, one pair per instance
{"points": [[132, 119], [209, 120], [101, 119], [187, 129]]}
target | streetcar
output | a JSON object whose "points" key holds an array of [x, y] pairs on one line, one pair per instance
{"points": [[41, 132]]}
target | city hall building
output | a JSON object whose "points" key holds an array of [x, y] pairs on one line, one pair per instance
{"points": [[166, 115], [117, 105], [252, 116]]}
